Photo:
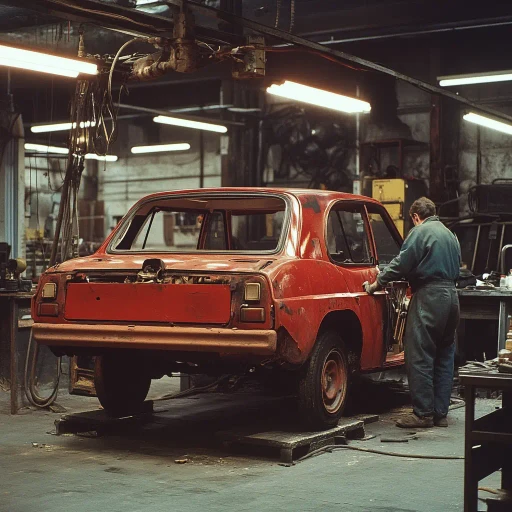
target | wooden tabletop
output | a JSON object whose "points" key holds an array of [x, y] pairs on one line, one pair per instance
{"points": [[16, 295], [495, 292], [486, 379]]}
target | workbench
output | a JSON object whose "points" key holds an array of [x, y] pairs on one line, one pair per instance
{"points": [[488, 440], [487, 305], [10, 324]]}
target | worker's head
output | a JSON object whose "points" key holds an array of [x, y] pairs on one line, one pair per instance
{"points": [[422, 209]]}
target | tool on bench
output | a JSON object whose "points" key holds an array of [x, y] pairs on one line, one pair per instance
{"points": [[10, 271], [505, 361]]}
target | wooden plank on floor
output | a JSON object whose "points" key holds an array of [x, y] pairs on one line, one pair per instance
{"points": [[99, 420], [293, 444]]}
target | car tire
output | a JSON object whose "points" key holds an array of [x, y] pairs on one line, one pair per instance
{"points": [[121, 384], [324, 383]]}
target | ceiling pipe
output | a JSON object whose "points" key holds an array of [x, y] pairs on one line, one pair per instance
{"points": [[403, 31], [162, 112]]}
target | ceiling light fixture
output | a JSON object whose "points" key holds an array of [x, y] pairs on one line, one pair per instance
{"points": [[319, 97], [40, 148], [58, 127], [186, 123], [488, 122], [475, 78], [160, 148], [45, 63], [101, 158]]}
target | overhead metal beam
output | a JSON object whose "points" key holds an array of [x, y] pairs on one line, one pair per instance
{"points": [[112, 16], [129, 21]]}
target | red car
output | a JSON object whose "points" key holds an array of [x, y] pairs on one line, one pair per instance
{"points": [[219, 281]]}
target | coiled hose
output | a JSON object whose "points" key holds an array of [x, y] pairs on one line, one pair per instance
{"points": [[31, 391]]}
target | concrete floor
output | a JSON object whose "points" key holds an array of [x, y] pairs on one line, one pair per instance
{"points": [[134, 469]]}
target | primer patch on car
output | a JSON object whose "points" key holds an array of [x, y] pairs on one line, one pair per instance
{"points": [[311, 202]]}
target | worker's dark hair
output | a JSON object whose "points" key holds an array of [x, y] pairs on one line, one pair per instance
{"points": [[424, 207]]}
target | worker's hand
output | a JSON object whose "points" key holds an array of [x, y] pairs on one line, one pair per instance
{"points": [[370, 289]]}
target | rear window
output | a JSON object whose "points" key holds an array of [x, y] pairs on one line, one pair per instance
{"points": [[191, 224]]}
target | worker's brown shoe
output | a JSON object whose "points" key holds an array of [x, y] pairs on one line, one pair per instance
{"points": [[441, 422], [413, 421]]}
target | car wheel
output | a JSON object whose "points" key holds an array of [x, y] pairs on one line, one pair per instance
{"points": [[324, 383], [121, 384]]}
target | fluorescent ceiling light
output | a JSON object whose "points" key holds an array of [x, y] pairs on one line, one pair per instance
{"points": [[58, 127], [39, 148], [45, 63], [475, 78], [488, 122], [101, 158], [160, 148], [186, 123], [319, 97]]}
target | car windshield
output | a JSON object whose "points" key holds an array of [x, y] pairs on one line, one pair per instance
{"points": [[203, 223]]}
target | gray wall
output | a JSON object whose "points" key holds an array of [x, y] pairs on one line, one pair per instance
{"points": [[124, 182]]}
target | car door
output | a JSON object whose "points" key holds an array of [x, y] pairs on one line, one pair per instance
{"points": [[387, 242], [350, 246]]}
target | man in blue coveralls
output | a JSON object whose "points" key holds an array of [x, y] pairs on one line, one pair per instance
{"points": [[430, 260]]}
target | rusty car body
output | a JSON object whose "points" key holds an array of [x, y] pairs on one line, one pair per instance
{"points": [[230, 279]]}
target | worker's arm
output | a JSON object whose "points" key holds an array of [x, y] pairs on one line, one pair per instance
{"points": [[408, 259]]}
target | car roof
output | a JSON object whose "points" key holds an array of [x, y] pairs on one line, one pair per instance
{"points": [[328, 195]]}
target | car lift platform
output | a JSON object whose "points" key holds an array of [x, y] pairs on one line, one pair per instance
{"points": [[270, 439]]}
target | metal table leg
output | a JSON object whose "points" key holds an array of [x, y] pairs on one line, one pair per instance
{"points": [[470, 482], [506, 470], [13, 331], [503, 324]]}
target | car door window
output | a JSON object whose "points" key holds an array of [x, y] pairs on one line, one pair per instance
{"points": [[386, 244], [347, 237]]}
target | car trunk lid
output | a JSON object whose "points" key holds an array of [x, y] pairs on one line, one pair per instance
{"points": [[148, 302]]}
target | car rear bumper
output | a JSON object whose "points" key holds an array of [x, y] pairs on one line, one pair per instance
{"points": [[183, 339]]}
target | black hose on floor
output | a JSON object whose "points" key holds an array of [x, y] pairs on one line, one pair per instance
{"points": [[29, 378], [331, 448]]}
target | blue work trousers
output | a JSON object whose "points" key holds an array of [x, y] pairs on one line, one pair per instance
{"points": [[429, 344]]}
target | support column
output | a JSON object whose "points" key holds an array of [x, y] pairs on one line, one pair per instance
{"points": [[12, 181], [231, 167], [436, 171]]}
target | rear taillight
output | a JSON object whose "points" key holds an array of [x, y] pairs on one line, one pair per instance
{"points": [[48, 309], [49, 291], [253, 302], [252, 292], [252, 315]]}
